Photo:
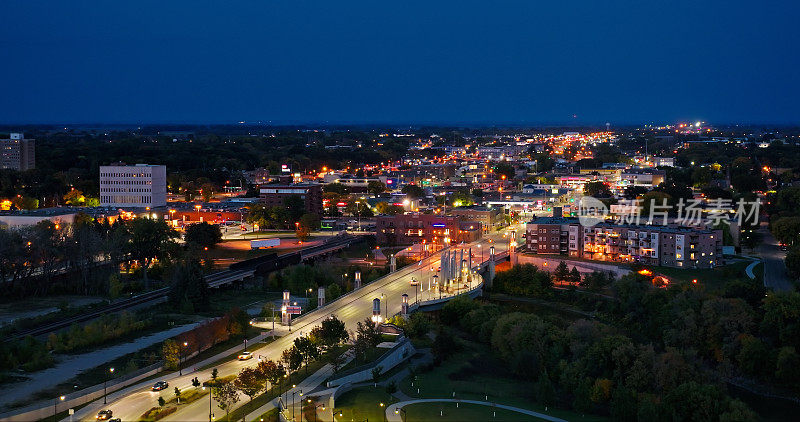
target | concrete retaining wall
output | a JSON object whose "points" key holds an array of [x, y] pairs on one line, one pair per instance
{"points": [[401, 352]]}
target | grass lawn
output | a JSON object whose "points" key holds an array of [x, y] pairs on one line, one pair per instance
{"points": [[464, 412], [270, 416], [373, 353], [362, 403], [475, 374], [714, 279]]}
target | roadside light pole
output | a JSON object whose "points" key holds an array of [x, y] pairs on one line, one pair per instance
{"points": [[105, 384], [436, 284], [55, 407], [386, 301], [180, 357]]}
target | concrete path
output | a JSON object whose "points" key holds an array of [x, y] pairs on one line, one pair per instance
{"points": [[306, 386], [394, 415], [774, 268], [549, 264], [70, 365]]}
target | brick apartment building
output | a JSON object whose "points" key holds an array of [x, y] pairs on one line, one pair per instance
{"points": [[311, 194], [669, 246], [413, 228]]}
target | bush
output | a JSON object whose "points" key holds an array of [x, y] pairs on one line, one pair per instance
{"points": [[157, 413]]}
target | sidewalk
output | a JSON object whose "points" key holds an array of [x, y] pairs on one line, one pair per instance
{"points": [[391, 416], [306, 386]]}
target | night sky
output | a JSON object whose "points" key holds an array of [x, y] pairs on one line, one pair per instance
{"points": [[479, 62]]}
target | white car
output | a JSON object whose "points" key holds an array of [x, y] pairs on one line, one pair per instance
{"points": [[245, 356]]}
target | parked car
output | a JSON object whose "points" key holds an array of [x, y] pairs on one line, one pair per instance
{"points": [[115, 420], [160, 385], [104, 415], [245, 356]]}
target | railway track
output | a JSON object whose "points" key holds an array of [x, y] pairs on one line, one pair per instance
{"points": [[215, 280]]}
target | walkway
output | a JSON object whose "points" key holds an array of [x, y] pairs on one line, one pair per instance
{"points": [[774, 268], [393, 414], [306, 386], [70, 365]]}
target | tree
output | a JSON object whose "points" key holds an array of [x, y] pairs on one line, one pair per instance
{"points": [[178, 394], [203, 235], [171, 353], [574, 276], [561, 272], [787, 368], [161, 401], [332, 331], [207, 191], [504, 168], [413, 191], [444, 345], [195, 382], [249, 381], [271, 371], [386, 208], [189, 289], [457, 308], [376, 374], [214, 375], [308, 223], [74, 198], [461, 199], [295, 206], [376, 187], [150, 239], [597, 189], [226, 396]]}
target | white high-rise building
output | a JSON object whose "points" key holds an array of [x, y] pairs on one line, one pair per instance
{"points": [[138, 186]]}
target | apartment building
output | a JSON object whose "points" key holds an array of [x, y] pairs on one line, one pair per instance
{"points": [[137, 186], [17, 153], [669, 246]]}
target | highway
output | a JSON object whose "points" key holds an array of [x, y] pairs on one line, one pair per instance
{"points": [[350, 308]]}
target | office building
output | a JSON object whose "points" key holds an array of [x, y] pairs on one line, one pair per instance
{"points": [[17, 153], [407, 229], [137, 186], [310, 193]]}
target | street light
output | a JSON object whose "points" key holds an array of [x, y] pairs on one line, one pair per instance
{"points": [[55, 407], [180, 358], [386, 301], [436, 284], [210, 394], [105, 383]]}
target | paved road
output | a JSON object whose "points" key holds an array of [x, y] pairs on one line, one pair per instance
{"points": [[351, 308], [774, 268]]}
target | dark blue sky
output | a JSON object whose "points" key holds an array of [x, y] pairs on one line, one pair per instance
{"points": [[430, 61]]}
